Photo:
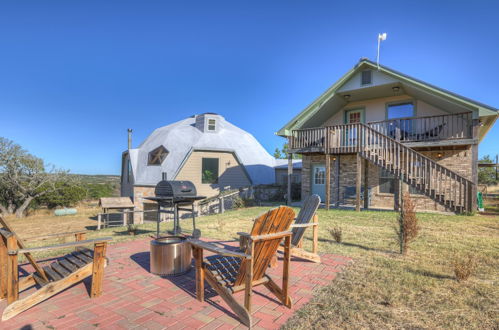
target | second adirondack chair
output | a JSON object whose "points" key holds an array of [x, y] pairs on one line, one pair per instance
{"points": [[229, 272], [306, 218]]}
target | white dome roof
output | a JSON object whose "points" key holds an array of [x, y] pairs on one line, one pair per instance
{"points": [[188, 135]]}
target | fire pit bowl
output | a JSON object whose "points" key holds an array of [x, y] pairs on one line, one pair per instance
{"points": [[170, 255]]}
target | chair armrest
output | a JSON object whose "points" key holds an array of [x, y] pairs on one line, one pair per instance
{"points": [[62, 246], [302, 225], [213, 248], [39, 238], [271, 236]]}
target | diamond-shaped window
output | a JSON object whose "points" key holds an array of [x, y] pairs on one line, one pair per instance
{"points": [[157, 156]]}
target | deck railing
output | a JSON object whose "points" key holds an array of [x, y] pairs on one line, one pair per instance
{"points": [[410, 129], [427, 128]]}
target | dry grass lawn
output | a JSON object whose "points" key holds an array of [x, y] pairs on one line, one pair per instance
{"points": [[382, 289]]}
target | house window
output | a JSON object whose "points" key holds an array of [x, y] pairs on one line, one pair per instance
{"points": [[400, 110], [386, 182], [209, 170], [212, 124], [157, 156], [129, 171], [319, 175], [366, 77]]}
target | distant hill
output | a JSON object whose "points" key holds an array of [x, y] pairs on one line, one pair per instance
{"points": [[100, 178], [111, 180]]}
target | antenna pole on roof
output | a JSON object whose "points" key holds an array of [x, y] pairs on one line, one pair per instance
{"points": [[381, 37]]}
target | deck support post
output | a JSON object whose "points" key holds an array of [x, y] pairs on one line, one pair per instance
{"points": [[474, 165], [290, 174], [397, 196], [358, 182], [328, 181], [366, 184], [337, 179]]}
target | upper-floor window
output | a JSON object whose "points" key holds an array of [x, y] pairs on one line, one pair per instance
{"points": [[400, 110], [209, 170], [366, 77], [212, 125], [157, 156]]}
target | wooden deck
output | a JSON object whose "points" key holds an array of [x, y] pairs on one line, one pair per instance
{"points": [[391, 146]]}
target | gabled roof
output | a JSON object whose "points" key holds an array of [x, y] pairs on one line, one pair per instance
{"points": [[300, 119]]}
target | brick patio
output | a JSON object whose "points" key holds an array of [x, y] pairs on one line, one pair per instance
{"points": [[135, 298]]}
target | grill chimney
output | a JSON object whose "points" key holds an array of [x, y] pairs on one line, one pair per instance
{"points": [[164, 176], [129, 138]]}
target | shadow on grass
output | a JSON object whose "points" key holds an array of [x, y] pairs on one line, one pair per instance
{"points": [[428, 273], [363, 247]]}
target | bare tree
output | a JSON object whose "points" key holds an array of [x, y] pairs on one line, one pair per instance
{"points": [[23, 177]]}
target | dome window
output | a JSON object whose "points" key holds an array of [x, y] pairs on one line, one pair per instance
{"points": [[157, 156]]}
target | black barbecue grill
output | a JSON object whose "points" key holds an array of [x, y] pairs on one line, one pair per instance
{"points": [[174, 196]]}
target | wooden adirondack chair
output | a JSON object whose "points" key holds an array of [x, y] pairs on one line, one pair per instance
{"points": [[229, 271], [51, 279], [307, 217]]}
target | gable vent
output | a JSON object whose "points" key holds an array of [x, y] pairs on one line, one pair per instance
{"points": [[367, 77]]}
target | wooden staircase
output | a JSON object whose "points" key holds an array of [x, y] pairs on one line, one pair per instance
{"points": [[439, 183]]}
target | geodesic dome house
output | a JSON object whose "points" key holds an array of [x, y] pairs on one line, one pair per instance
{"points": [[205, 149]]}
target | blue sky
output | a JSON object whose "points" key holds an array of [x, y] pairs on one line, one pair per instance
{"points": [[74, 75]]}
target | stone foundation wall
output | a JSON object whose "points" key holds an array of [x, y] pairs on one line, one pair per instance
{"points": [[139, 192]]}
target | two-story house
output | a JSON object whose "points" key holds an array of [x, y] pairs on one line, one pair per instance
{"points": [[377, 132]]}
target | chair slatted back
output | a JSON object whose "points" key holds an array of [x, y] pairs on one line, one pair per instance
{"points": [[274, 221], [306, 214], [21, 245]]}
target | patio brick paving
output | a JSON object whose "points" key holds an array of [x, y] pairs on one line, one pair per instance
{"points": [[135, 298]]}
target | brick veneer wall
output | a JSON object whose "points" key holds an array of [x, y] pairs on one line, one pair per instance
{"points": [[459, 161]]}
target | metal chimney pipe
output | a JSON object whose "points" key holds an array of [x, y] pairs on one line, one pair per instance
{"points": [[129, 138], [164, 176]]}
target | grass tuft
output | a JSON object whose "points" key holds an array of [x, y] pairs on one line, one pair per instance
{"points": [[336, 233], [464, 267]]}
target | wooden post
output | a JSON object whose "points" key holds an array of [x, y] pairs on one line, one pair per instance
{"points": [[315, 233], [328, 181], [222, 205], [98, 269], [366, 184], [3, 267], [337, 179], [285, 270], [290, 174], [358, 182], [12, 271], [99, 221], [198, 258], [474, 165], [397, 194], [248, 291]]}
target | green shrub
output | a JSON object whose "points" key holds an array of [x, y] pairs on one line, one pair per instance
{"points": [[97, 190], [66, 194]]}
